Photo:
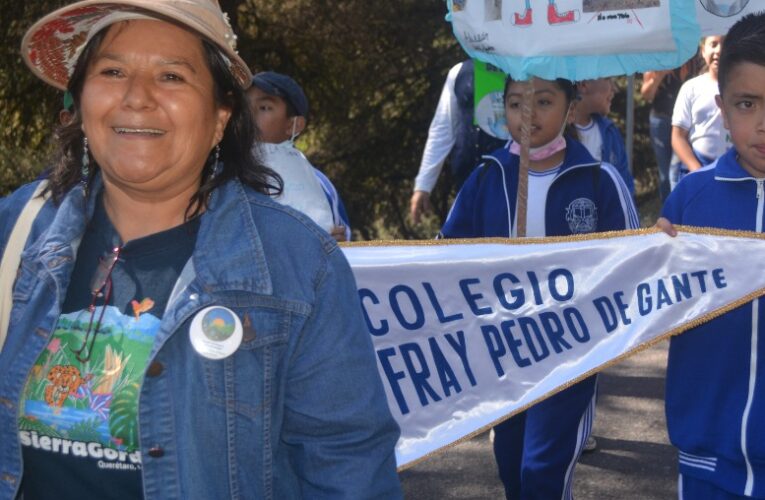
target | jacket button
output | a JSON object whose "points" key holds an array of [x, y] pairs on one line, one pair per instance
{"points": [[156, 452], [7, 403], [155, 369], [8, 478]]}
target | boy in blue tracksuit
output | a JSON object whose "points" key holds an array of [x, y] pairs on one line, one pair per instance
{"points": [[719, 425], [599, 134], [569, 193], [613, 150]]}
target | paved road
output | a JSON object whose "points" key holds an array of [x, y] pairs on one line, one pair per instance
{"points": [[634, 459]]}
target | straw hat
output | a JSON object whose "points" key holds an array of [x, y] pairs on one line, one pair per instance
{"points": [[53, 44]]}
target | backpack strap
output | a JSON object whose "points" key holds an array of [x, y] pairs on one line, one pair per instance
{"points": [[11, 259]]}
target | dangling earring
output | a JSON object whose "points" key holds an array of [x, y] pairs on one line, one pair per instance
{"points": [[217, 167], [294, 129], [84, 170]]}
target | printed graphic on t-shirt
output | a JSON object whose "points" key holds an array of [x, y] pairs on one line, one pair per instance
{"points": [[90, 410]]}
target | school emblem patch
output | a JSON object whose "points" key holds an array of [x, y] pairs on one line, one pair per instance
{"points": [[582, 216]]}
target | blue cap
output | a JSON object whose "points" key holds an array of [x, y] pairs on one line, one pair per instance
{"points": [[279, 85]]}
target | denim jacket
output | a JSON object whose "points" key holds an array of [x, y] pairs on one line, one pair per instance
{"points": [[298, 411]]}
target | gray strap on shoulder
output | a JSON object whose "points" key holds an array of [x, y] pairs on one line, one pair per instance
{"points": [[11, 258]]}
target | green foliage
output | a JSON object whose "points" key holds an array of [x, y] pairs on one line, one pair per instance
{"points": [[372, 71], [32, 424], [28, 108], [123, 416], [86, 431], [643, 162]]}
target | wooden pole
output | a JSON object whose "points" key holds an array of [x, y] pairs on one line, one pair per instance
{"points": [[523, 173]]}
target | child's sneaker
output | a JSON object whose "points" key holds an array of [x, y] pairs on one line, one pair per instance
{"points": [[590, 445]]}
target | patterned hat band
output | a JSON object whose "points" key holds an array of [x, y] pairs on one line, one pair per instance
{"points": [[52, 46]]}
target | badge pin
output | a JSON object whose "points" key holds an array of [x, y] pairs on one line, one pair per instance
{"points": [[216, 332]]}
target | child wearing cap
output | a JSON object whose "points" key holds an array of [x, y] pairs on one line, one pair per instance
{"points": [[280, 108]]}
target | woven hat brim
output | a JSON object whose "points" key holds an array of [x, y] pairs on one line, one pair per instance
{"points": [[51, 45]]}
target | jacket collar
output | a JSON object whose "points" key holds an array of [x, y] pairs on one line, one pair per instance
{"points": [[727, 168], [228, 255], [576, 155], [61, 238]]}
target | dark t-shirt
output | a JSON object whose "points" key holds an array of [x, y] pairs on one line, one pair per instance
{"points": [[666, 94], [78, 422]]}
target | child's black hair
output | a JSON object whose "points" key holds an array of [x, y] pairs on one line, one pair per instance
{"points": [[567, 86], [745, 42]]}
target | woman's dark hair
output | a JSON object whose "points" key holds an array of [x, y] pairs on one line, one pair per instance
{"points": [[237, 156]]}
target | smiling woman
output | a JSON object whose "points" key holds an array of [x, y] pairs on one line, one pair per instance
{"points": [[149, 113], [196, 322]]}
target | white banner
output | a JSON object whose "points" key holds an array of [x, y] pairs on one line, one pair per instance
{"points": [[469, 332]]}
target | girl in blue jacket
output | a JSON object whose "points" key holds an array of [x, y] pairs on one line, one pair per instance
{"points": [[569, 193]]}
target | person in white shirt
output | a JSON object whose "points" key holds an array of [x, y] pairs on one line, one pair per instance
{"points": [[452, 134], [698, 134]]}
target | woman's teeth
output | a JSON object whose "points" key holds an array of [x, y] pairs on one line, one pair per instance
{"points": [[143, 131]]}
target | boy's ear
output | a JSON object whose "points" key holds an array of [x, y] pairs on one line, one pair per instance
{"points": [[296, 124], [719, 101]]}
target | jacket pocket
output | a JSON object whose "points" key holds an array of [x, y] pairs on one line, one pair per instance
{"points": [[245, 380]]}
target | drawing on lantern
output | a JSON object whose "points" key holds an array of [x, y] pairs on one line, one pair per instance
{"points": [[724, 8], [554, 16]]}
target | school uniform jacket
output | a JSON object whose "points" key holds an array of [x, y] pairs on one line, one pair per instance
{"points": [[716, 372], [586, 196], [613, 150]]}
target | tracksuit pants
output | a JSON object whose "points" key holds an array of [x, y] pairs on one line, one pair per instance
{"points": [[536, 450]]}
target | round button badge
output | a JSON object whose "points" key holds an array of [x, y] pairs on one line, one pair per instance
{"points": [[215, 332]]}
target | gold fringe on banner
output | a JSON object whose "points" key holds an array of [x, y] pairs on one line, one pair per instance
{"points": [[711, 231]]}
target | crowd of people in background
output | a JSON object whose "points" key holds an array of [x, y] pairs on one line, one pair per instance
{"points": [[696, 116]]}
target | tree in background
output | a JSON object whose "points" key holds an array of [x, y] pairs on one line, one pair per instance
{"points": [[28, 107], [373, 72]]}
